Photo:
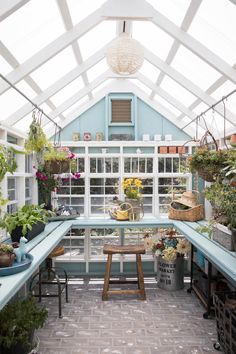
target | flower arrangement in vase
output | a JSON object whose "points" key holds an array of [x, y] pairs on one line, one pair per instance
{"points": [[132, 188]]}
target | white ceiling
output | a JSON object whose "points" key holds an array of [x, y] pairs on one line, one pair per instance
{"points": [[54, 52]]}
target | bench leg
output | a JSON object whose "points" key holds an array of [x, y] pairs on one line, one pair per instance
{"points": [[107, 278], [140, 277]]}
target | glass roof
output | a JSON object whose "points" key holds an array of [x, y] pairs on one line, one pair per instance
{"points": [[41, 51]]}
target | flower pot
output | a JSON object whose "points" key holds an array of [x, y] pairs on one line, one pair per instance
{"points": [[182, 149], [233, 140], [6, 259], [172, 149], [36, 230], [57, 166], [163, 150], [223, 236], [170, 274]]}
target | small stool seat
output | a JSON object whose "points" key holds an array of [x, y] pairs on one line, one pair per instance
{"points": [[116, 249], [49, 275]]}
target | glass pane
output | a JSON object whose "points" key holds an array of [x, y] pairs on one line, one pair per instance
{"points": [[161, 165], [63, 190], [96, 181], [134, 164], [115, 165], [168, 164], [149, 165], [11, 195], [127, 163], [108, 165], [176, 164], [97, 190], [77, 201], [100, 165], [11, 183]]}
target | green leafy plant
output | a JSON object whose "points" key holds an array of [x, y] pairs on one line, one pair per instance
{"points": [[26, 217], [6, 248], [7, 162], [37, 140], [18, 319]]}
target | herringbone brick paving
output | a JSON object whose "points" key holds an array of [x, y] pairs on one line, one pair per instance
{"points": [[167, 322]]}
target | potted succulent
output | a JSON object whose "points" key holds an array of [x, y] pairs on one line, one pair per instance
{"points": [[7, 255], [18, 321], [28, 221]]}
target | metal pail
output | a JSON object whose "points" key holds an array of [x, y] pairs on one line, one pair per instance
{"points": [[170, 274]]}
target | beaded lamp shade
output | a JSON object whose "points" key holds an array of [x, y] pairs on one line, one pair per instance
{"points": [[125, 55]]}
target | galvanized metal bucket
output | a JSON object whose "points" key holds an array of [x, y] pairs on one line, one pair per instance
{"points": [[170, 274]]}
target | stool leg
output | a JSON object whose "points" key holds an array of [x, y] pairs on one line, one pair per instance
{"points": [[107, 278], [66, 285], [140, 277]]}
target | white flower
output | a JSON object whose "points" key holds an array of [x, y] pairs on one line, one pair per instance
{"points": [[183, 246], [158, 252]]}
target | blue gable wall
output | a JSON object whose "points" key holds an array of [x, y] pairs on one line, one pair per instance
{"points": [[147, 121]]}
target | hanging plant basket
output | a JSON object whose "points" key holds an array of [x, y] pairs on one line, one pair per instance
{"points": [[57, 166]]}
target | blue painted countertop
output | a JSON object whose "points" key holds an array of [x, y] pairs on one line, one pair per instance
{"points": [[43, 244]]}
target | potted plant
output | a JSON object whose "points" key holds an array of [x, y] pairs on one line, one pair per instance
{"points": [[7, 255], [37, 140], [28, 221], [222, 196], [59, 160], [208, 163], [18, 321]]}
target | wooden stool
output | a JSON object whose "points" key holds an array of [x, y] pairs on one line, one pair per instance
{"points": [[132, 249]]}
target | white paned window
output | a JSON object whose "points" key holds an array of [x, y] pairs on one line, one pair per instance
{"points": [[97, 70], [215, 27], [173, 10], [153, 38], [55, 68], [138, 165], [28, 164], [73, 243], [194, 68], [149, 70], [104, 165], [71, 194], [101, 236], [28, 191], [96, 38], [68, 91], [169, 165], [177, 91], [31, 28], [102, 192], [11, 194], [166, 187]]}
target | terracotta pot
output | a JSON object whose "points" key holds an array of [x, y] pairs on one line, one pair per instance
{"points": [[181, 149], [163, 149], [172, 149], [6, 259], [233, 140]]}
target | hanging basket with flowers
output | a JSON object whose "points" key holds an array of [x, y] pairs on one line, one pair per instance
{"points": [[59, 160]]}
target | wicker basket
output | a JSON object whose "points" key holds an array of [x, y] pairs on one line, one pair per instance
{"points": [[225, 314], [57, 166], [192, 214]]}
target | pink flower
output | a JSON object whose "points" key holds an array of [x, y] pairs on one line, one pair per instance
{"points": [[76, 175]]}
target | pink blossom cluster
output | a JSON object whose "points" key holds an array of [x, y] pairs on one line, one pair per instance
{"points": [[41, 176], [65, 149]]}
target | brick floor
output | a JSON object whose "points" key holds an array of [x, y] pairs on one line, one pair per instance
{"points": [[167, 322]]}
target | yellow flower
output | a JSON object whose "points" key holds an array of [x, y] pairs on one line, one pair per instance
{"points": [[169, 254]]}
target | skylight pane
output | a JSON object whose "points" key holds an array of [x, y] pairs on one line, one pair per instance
{"points": [[68, 91], [5, 67], [215, 27], [166, 104], [153, 38], [79, 9], [174, 10], [26, 89], [10, 102], [200, 108], [31, 28], [149, 70], [55, 68], [143, 87], [95, 39], [177, 91], [24, 123], [75, 106], [97, 70], [194, 68], [224, 90]]}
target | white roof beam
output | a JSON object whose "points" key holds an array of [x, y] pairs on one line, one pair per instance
{"points": [[123, 9], [52, 49], [158, 90], [14, 63], [66, 18], [76, 97], [57, 86], [187, 84], [192, 44], [188, 18], [9, 6]]}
